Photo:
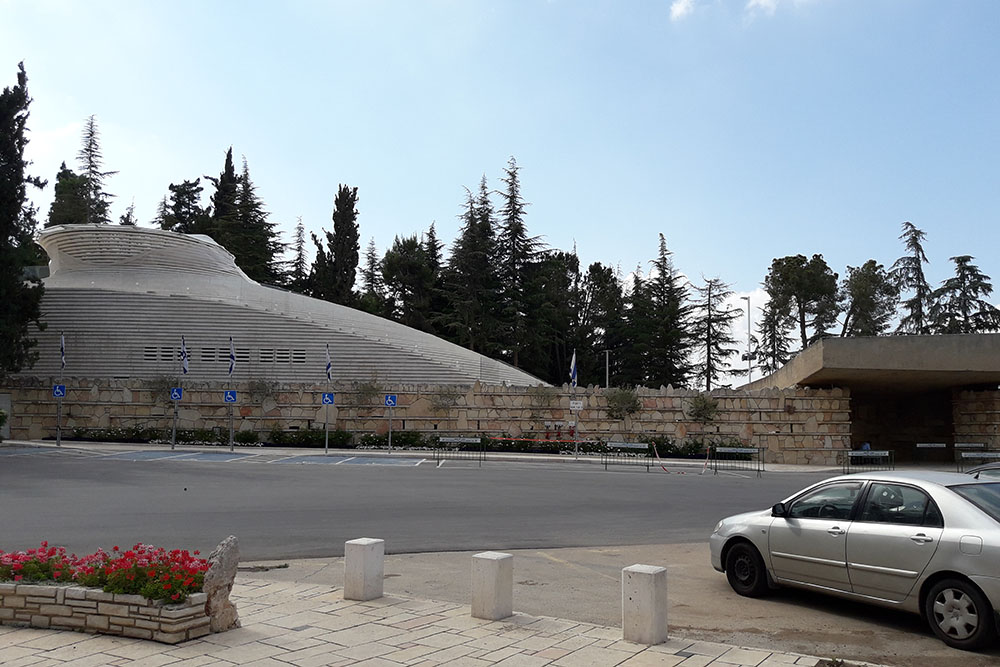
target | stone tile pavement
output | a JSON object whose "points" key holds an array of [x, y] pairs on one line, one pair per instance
{"points": [[308, 625]]}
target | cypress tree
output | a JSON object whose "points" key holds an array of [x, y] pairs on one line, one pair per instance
{"points": [[335, 266], [21, 296], [69, 207]]}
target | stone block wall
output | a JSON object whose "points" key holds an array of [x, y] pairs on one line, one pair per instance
{"points": [[976, 417], [795, 425], [91, 610]]}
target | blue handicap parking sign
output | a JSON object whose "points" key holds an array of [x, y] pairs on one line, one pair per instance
{"points": [[327, 399], [176, 393], [58, 390], [230, 396], [390, 400]]}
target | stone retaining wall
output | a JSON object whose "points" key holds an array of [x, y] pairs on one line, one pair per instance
{"points": [[976, 417], [794, 425], [91, 610]]}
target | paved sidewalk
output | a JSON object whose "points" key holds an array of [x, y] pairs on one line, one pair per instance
{"points": [[308, 625]]}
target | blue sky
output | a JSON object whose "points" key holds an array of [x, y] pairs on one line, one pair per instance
{"points": [[740, 129]]}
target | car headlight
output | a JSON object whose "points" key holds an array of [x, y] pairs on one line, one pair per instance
{"points": [[718, 527]]}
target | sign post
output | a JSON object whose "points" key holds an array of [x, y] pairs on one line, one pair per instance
{"points": [[230, 397], [390, 402], [176, 394], [59, 391], [327, 402]]}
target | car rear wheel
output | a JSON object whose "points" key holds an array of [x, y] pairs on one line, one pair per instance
{"points": [[959, 614], [745, 570]]}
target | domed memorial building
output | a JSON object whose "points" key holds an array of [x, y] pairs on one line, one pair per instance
{"points": [[124, 296]]}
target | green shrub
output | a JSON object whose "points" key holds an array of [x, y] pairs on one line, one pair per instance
{"points": [[622, 402], [245, 437], [309, 438]]}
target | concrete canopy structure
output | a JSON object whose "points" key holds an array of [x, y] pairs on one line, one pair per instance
{"points": [[906, 390], [124, 296]]}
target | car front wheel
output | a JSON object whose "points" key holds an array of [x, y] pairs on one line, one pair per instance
{"points": [[960, 615], [745, 570]]}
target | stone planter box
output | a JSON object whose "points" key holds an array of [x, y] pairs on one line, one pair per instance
{"points": [[67, 607]]}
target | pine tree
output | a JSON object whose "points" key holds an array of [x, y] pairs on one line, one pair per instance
{"points": [[600, 321], [908, 273], [772, 349], [870, 296], [21, 297], [128, 218], [91, 162], [69, 207], [409, 282], [438, 302], [959, 306], [258, 246], [183, 211], [335, 266], [712, 327], [516, 252], [470, 279], [162, 217], [807, 289], [373, 299], [224, 199], [669, 341], [299, 265], [634, 364]]}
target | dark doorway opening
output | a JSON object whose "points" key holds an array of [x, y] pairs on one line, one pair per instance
{"points": [[898, 421]]}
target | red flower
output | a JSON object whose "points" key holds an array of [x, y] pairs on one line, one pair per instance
{"points": [[166, 587]]}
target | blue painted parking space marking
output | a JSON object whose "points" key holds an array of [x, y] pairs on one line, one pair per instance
{"points": [[143, 455], [14, 451], [312, 459], [379, 461], [216, 456]]}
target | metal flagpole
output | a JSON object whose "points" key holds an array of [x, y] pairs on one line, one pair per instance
{"points": [[326, 404], [232, 367], [59, 398]]}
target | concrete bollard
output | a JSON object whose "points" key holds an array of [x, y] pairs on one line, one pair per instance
{"points": [[492, 585], [364, 566], [644, 604]]}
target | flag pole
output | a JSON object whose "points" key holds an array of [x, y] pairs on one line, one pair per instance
{"points": [[232, 367], [59, 398], [572, 397], [326, 405]]}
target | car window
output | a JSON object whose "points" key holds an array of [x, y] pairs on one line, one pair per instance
{"points": [[828, 502], [900, 504], [984, 496]]}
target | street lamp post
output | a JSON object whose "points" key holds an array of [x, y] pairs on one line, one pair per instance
{"points": [[749, 349]]}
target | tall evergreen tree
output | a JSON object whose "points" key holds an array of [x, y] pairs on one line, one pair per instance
{"points": [[470, 278], [335, 267], [128, 218], [373, 298], [772, 349], [409, 282], [299, 269], [225, 205], [600, 321], [161, 219], [182, 211], [959, 306], [91, 162], [516, 251], [438, 302], [712, 330], [21, 296], [670, 335], [807, 289], [69, 207], [640, 322], [552, 288], [869, 296], [258, 246], [908, 272]]}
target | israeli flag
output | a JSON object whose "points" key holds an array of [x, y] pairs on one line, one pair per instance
{"points": [[62, 350], [572, 371], [184, 356], [232, 357], [329, 365]]}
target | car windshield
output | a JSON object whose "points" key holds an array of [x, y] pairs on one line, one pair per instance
{"points": [[984, 496]]}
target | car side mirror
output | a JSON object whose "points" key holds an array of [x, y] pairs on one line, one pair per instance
{"points": [[779, 510]]}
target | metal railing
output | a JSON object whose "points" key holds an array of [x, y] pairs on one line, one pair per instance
{"points": [[868, 460], [460, 449], [627, 453], [966, 460], [744, 459]]}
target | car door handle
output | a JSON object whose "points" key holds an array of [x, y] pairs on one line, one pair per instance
{"points": [[920, 538], [836, 531]]}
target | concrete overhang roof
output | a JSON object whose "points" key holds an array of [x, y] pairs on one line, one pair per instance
{"points": [[899, 363]]}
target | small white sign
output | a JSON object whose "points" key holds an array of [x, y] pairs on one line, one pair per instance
{"points": [[576, 405]]}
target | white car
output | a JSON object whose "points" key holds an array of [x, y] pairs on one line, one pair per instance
{"points": [[924, 542]]}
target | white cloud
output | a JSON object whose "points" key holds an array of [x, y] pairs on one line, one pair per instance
{"points": [[680, 8], [766, 6]]}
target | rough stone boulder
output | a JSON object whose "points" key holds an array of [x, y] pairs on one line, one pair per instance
{"points": [[219, 584]]}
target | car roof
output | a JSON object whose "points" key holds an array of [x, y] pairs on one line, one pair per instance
{"points": [[926, 476]]}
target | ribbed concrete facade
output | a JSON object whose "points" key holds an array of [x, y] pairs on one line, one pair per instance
{"points": [[124, 296]]}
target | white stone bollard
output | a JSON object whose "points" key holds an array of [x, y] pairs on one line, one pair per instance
{"points": [[364, 567], [492, 585], [644, 604]]}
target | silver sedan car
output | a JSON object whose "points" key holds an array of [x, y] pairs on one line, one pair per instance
{"points": [[924, 542]]}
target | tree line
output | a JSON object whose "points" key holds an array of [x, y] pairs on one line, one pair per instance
{"points": [[497, 289]]}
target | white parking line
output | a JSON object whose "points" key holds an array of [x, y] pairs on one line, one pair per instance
{"points": [[345, 460]]}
